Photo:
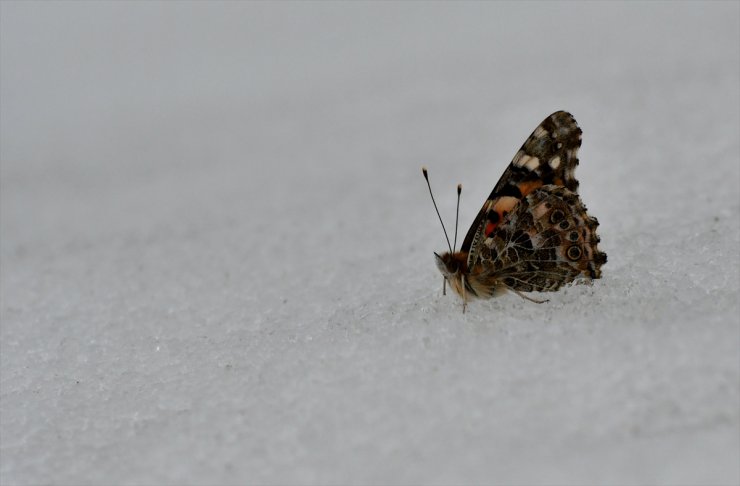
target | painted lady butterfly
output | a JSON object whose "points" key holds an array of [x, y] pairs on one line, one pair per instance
{"points": [[533, 232]]}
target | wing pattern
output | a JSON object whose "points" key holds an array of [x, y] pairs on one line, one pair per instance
{"points": [[548, 157], [548, 241]]}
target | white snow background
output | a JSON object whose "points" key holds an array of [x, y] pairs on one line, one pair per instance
{"points": [[217, 244]]}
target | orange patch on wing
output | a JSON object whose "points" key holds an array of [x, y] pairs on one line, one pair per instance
{"points": [[501, 205], [489, 229], [528, 186], [505, 203]]}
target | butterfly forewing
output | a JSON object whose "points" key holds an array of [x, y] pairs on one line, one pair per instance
{"points": [[548, 157]]}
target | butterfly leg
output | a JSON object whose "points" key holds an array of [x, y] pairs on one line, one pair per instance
{"points": [[464, 294], [444, 286], [530, 298]]}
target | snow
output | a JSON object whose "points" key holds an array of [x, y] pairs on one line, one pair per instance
{"points": [[216, 255]]}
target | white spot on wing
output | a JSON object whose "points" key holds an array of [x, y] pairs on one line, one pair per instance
{"points": [[517, 161], [554, 162], [539, 132], [532, 162], [523, 160]]}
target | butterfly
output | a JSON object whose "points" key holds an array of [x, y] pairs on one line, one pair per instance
{"points": [[533, 232]]}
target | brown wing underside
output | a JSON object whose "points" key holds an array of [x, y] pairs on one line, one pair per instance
{"points": [[548, 241]]}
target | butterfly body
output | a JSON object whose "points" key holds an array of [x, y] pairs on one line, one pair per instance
{"points": [[533, 233]]}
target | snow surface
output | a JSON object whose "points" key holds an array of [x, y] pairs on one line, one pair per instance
{"points": [[217, 244]]}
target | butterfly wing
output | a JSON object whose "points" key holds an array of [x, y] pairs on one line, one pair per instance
{"points": [[548, 157], [549, 240]]}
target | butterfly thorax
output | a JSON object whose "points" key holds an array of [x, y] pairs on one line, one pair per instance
{"points": [[453, 267], [467, 283]]}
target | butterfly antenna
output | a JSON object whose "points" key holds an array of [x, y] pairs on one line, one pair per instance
{"points": [[426, 176], [457, 213]]}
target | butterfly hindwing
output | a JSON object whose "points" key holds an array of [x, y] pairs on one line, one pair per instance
{"points": [[548, 157], [549, 240]]}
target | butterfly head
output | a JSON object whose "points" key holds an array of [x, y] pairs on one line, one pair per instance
{"points": [[451, 265]]}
